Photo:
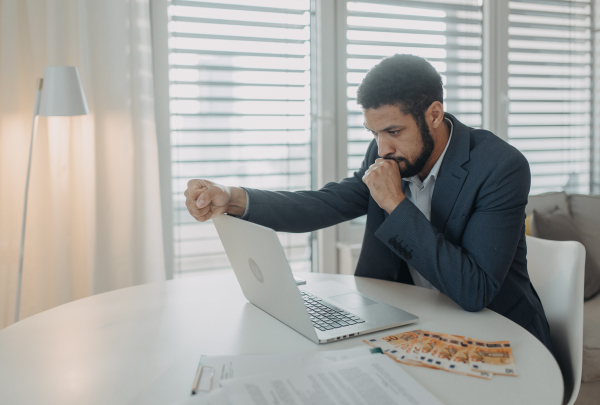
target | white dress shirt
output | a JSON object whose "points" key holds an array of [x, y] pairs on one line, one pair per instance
{"points": [[419, 193]]}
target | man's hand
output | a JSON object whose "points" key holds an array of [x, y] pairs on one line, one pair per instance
{"points": [[205, 199], [384, 182]]}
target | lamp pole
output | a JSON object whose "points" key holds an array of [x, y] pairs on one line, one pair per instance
{"points": [[36, 110], [62, 96]]}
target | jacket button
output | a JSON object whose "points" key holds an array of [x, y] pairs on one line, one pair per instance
{"points": [[408, 256], [392, 241]]}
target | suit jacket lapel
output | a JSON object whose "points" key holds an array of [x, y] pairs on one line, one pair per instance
{"points": [[451, 176]]}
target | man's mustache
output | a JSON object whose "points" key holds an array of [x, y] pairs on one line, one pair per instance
{"points": [[397, 159]]}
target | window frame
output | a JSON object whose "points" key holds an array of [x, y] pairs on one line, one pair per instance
{"points": [[160, 60]]}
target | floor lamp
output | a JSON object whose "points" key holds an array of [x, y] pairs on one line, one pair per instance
{"points": [[59, 93]]}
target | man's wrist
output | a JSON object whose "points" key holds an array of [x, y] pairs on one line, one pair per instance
{"points": [[237, 204], [392, 206]]}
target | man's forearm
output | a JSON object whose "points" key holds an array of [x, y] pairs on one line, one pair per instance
{"points": [[237, 204]]}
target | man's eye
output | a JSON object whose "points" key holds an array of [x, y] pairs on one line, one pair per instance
{"points": [[393, 133]]}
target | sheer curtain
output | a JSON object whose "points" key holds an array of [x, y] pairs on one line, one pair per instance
{"points": [[93, 222]]}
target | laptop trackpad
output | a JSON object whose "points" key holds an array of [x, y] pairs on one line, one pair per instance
{"points": [[352, 300]]}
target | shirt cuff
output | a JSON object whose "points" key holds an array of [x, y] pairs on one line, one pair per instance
{"points": [[245, 216]]}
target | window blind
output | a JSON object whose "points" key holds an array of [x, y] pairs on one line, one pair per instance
{"points": [[550, 93], [240, 111], [447, 32]]}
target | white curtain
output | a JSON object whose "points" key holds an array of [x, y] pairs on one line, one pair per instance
{"points": [[93, 218]]}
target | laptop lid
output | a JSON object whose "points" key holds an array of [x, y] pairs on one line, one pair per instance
{"points": [[263, 272]]}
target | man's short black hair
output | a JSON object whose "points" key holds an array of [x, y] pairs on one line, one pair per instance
{"points": [[405, 80]]}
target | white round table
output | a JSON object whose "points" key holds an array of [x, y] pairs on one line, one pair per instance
{"points": [[141, 345]]}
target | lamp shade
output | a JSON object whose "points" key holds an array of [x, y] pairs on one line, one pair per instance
{"points": [[62, 93]]}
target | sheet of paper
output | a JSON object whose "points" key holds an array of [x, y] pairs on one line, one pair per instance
{"points": [[375, 379], [238, 366], [228, 367]]}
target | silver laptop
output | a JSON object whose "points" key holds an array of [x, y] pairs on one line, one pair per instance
{"points": [[323, 311]]}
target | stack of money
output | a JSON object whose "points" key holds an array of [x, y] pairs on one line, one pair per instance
{"points": [[452, 353]]}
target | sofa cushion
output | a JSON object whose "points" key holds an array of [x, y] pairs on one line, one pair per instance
{"points": [[591, 340], [588, 393], [547, 202], [585, 211], [554, 225], [559, 225]]}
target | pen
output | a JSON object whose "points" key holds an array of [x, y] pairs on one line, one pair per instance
{"points": [[197, 379]]}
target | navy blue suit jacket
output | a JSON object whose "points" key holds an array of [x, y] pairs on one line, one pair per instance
{"points": [[473, 250]]}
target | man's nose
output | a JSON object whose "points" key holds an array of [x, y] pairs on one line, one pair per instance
{"points": [[384, 146]]}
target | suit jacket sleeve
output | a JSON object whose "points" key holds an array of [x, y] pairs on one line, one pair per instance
{"points": [[305, 211], [471, 273]]}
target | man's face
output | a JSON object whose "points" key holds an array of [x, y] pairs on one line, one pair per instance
{"points": [[399, 138]]}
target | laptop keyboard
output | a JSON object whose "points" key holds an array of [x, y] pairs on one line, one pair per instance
{"points": [[325, 316]]}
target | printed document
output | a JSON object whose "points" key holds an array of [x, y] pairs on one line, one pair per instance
{"points": [[236, 366], [227, 367], [374, 379]]}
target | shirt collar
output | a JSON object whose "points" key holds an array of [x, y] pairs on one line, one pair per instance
{"points": [[436, 167]]}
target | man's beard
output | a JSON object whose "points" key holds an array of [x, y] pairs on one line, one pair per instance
{"points": [[412, 169]]}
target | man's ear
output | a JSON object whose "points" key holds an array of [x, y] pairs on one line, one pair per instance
{"points": [[434, 115]]}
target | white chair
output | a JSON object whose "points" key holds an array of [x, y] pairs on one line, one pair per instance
{"points": [[557, 271]]}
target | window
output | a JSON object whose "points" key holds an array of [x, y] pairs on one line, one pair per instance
{"points": [[447, 33], [550, 91], [239, 73], [241, 96]]}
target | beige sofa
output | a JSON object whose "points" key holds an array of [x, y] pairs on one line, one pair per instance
{"points": [[576, 217]]}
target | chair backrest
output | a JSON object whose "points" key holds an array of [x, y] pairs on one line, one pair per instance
{"points": [[557, 270]]}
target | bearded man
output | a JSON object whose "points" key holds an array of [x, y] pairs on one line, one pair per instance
{"points": [[445, 203]]}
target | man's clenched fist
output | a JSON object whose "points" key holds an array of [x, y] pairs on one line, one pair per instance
{"points": [[385, 183], [205, 199]]}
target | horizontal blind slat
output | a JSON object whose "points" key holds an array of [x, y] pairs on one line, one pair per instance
{"points": [[204, 4], [265, 24], [428, 5], [453, 20], [237, 38], [235, 53]]}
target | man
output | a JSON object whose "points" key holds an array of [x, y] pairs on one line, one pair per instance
{"points": [[445, 203]]}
